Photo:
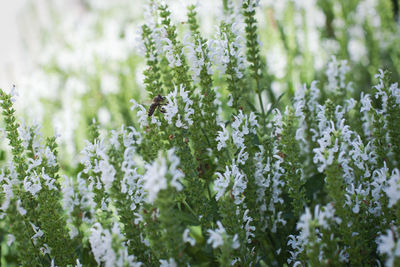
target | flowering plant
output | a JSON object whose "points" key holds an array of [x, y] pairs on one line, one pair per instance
{"points": [[216, 176]]}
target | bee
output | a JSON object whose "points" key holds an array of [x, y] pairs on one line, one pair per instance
{"points": [[157, 103]]}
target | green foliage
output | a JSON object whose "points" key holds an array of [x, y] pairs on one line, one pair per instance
{"points": [[210, 178]]}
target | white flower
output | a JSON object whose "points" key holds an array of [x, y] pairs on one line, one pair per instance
{"points": [[395, 91], [252, 4], [240, 129], [45, 249], [336, 73], [223, 51], [177, 175], [188, 105], [171, 108], [242, 157], [101, 244], [222, 183], [10, 239], [53, 264], [13, 94], [195, 56], [38, 233], [222, 137], [154, 178], [107, 173], [304, 224], [32, 184], [239, 184], [392, 190], [49, 182], [248, 228], [388, 246], [216, 236], [187, 238], [20, 209], [171, 54], [253, 122], [168, 263], [365, 102], [7, 186], [230, 101], [142, 113], [235, 242], [51, 159]]}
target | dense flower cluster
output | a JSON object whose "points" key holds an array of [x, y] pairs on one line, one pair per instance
{"points": [[215, 176]]}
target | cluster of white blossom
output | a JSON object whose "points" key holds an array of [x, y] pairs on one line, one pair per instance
{"points": [[309, 234], [187, 238], [38, 233], [392, 189], [224, 181], [218, 237], [305, 100], [243, 125], [173, 114], [168, 263], [7, 184], [249, 229], [161, 173], [389, 245], [223, 50], [76, 193], [270, 178], [222, 137], [336, 73], [95, 158], [142, 115], [195, 53], [103, 248]]}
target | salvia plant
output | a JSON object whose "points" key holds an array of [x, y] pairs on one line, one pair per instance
{"points": [[220, 168]]}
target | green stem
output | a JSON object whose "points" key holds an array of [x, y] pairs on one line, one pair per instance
{"points": [[189, 208]]}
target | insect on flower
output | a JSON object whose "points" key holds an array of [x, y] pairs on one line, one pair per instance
{"points": [[157, 103]]}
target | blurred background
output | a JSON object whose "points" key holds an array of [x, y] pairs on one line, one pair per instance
{"points": [[75, 60], [11, 49]]}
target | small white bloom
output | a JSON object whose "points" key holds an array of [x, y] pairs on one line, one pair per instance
{"points": [[32, 184], [171, 108], [216, 236], [10, 239], [235, 242], [168, 263], [230, 101], [52, 263], [177, 174], [388, 246], [20, 209], [242, 157], [249, 228], [187, 238], [142, 113], [38, 233], [393, 188], [222, 137], [45, 249], [222, 183], [154, 178]]}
